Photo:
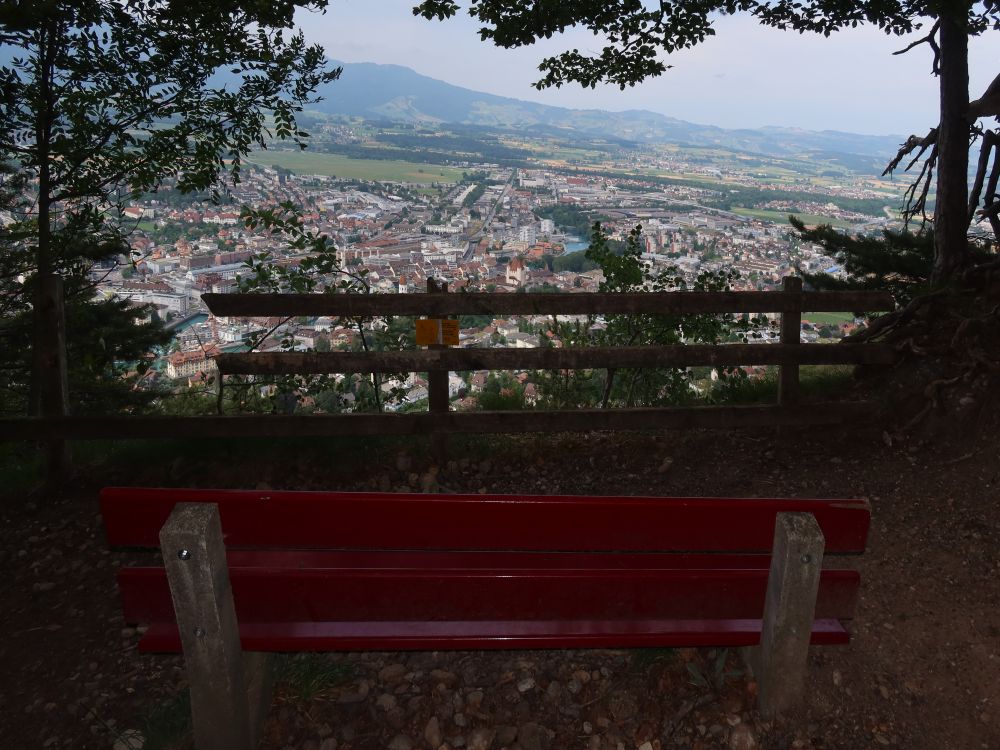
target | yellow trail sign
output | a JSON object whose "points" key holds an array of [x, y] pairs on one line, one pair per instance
{"points": [[437, 331]]}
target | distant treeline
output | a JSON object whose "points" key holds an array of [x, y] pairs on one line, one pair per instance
{"points": [[728, 197], [476, 194], [570, 218], [501, 155]]}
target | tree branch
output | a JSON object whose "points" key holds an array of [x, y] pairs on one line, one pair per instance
{"points": [[911, 143], [988, 105], [931, 42]]}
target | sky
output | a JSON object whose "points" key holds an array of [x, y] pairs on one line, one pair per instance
{"points": [[746, 76]]}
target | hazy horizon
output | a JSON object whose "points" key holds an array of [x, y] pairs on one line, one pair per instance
{"points": [[756, 77]]}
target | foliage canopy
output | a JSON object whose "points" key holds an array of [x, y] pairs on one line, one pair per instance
{"points": [[636, 32], [104, 100]]}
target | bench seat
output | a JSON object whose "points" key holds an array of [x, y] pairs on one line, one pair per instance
{"points": [[492, 635], [666, 596], [246, 572]]}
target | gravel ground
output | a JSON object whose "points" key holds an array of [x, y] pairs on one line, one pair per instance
{"points": [[921, 671]]}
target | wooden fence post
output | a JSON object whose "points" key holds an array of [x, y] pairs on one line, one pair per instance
{"points": [[54, 385], [780, 662], [791, 334], [437, 387], [226, 715]]}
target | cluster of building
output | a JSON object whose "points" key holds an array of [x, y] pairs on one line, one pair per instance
{"points": [[402, 235]]}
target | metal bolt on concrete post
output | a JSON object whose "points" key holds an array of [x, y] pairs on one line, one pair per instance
{"points": [[206, 618], [789, 608]]}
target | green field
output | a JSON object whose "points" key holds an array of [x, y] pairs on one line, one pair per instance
{"points": [[781, 217], [335, 165], [828, 318]]}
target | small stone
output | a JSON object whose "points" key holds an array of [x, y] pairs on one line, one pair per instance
{"points": [[532, 736], [460, 720], [506, 735], [44, 586], [742, 738], [443, 675], [432, 733], [882, 739], [588, 728], [883, 691], [523, 686], [732, 720], [349, 698], [481, 739], [324, 730], [837, 678], [386, 702], [622, 705], [328, 744], [582, 676], [429, 481], [475, 698], [665, 466], [647, 745], [485, 466], [400, 742], [403, 464], [391, 674], [130, 739]]}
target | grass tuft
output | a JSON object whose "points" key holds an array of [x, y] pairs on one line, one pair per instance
{"points": [[305, 677], [644, 658]]}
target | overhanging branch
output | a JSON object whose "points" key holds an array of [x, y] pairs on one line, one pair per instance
{"points": [[931, 42]]}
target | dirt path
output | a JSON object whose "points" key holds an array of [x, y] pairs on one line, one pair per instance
{"points": [[921, 672]]}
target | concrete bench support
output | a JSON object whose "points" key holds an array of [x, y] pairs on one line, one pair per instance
{"points": [[779, 663], [230, 691]]}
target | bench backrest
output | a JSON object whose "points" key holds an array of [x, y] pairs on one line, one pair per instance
{"points": [[319, 570], [385, 521]]}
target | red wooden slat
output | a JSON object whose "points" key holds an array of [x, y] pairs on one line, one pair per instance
{"points": [[133, 517], [289, 595], [519, 634], [466, 559]]}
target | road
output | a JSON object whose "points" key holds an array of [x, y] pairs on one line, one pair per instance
{"points": [[473, 239]]}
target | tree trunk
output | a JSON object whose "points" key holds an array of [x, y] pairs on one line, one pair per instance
{"points": [[951, 203], [44, 266]]}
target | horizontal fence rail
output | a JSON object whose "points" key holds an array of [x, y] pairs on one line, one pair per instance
{"points": [[288, 363], [481, 303], [425, 423], [438, 361]]}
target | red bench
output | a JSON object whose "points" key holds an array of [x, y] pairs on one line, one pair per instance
{"points": [[357, 571]]}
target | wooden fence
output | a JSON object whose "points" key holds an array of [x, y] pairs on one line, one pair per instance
{"points": [[439, 420]]}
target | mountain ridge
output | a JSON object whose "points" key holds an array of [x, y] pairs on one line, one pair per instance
{"points": [[398, 93]]}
